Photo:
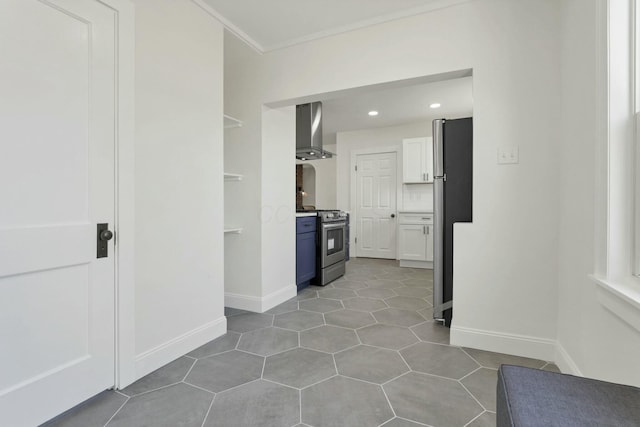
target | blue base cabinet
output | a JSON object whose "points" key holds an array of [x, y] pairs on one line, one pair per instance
{"points": [[305, 251]]}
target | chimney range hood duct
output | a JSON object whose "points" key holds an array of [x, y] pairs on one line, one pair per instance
{"points": [[309, 132]]}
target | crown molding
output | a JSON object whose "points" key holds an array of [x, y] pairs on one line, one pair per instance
{"points": [[434, 5], [238, 32], [230, 26]]}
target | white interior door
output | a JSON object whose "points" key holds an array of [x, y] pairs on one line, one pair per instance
{"points": [[57, 139], [375, 205]]}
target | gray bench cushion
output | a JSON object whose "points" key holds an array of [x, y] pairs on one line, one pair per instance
{"points": [[531, 397]]}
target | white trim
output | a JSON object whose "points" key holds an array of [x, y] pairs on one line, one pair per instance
{"points": [[259, 304], [635, 57], [416, 264], [243, 302], [622, 300], [620, 142], [430, 7], [230, 26], [353, 218], [157, 357], [251, 42], [278, 297], [601, 153], [499, 342], [125, 212], [618, 289], [636, 192], [566, 364]]}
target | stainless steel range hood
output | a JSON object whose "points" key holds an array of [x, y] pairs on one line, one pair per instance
{"points": [[309, 132]]}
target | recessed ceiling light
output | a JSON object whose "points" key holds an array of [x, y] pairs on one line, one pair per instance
{"points": [[324, 157], [373, 113], [435, 105], [303, 158]]}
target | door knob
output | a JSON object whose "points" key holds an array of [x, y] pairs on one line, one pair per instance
{"points": [[393, 215], [106, 235], [103, 235]]}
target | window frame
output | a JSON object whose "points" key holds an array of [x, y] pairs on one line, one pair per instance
{"points": [[617, 166]]}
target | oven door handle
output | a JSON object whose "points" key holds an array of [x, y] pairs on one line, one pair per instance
{"points": [[329, 226]]}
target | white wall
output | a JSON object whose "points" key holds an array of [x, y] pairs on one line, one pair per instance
{"points": [[309, 185], [243, 154], [263, 203], [278, 206], [505, 274], [179, 185], [592, 340], [411, 197], [506, 264], [325, 180]]}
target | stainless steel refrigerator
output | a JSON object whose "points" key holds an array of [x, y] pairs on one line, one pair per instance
{"points": [[452, 202]]}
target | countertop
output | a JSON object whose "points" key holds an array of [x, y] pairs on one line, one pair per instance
{"points": [[305, 214]]}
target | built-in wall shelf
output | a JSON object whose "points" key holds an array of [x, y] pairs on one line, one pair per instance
{"points": [[232, 230], [231, 122], [232, 177]]}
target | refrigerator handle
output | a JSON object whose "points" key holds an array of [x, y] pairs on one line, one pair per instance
{"points": [[438, 219], [438, 248], [438, 162]]}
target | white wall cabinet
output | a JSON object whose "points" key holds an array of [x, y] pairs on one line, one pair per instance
{"points": [[417, 160], [415, 231]]}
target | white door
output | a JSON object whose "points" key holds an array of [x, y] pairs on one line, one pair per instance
{"points": [[376, 205], [57, 140]]}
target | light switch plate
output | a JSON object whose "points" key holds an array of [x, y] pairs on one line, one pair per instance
{"points": [[508, 155]]}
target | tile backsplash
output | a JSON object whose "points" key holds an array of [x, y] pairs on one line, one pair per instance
{"points": [[417, 197]]}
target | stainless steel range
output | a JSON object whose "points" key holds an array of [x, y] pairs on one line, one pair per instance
{"points": [[332, 246]]}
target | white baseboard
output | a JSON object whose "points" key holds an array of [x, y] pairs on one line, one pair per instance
{"points": [[564, 361], [278, 297], [259, 304], [518, 345], [416, 264], [243, 302], [159, 356]]}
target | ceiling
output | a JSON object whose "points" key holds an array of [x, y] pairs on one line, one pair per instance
{"points": [[273, 24], [397, 106]]}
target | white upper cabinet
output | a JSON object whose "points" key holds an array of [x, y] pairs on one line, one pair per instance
{"points": [[417, 164]]}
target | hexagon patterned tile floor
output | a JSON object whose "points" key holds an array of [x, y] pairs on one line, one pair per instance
{"points": [[362, 352]]}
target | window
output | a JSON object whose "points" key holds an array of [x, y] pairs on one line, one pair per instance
{"points": [[621, 152], [635, 88], [617, 269]]}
